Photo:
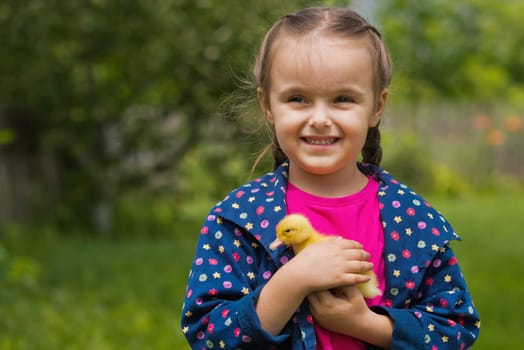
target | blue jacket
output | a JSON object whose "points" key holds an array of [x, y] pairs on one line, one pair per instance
{"points": [[426, 294]]}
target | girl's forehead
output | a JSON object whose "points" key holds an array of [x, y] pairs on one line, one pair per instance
{"points": [[318, 42], [322, 57]]}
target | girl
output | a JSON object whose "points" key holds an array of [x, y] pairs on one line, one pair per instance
{"points": [[322, 76]]}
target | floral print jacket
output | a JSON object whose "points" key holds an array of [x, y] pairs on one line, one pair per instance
{"points": [[426, 294]]}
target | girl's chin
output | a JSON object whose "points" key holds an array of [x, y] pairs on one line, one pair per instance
{"points": [[321, 165], [318, 168]]}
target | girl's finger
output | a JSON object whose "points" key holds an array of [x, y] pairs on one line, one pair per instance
{"points": [[318, 297], [357, 266], [348, 243]]}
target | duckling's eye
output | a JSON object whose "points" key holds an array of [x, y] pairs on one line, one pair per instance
{"points": [[288, 230]]}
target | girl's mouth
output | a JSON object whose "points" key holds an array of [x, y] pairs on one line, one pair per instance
{"points": [[320, 141]]}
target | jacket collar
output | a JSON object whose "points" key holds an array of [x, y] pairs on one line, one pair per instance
{"points": [[257, 207], [260, 204]]}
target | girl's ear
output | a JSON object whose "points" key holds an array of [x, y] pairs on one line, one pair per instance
{"points": [[264, 103], [379, 108]]}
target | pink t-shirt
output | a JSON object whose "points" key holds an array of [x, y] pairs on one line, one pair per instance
{"points": [[355, 217]]}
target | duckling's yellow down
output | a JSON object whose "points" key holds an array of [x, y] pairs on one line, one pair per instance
{"points": [[295, 230]]}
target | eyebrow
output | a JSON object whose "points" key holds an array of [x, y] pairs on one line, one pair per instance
{"points": [[346, 89]]}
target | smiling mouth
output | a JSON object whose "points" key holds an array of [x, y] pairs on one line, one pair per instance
{"points": [[322, 141]]}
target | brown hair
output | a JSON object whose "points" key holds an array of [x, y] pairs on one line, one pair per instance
{"points": [[339, 21]]}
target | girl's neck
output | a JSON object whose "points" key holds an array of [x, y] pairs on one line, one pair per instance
{"points": [[342, 183]]}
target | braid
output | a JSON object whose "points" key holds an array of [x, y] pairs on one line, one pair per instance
{"points": [[372, 151], [279, 156]]}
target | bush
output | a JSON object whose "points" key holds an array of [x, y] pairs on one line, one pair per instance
{"points": [[404, 159], [411, 163]]}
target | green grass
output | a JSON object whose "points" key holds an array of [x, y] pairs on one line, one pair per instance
{"points": [[492, 258], [77, 293], [89, 294]]}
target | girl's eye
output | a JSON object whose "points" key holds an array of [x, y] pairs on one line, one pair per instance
{"points": [[344, 99], [296, 99]]}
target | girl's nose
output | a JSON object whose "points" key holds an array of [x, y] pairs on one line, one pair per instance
{"points": [[320, 117]]}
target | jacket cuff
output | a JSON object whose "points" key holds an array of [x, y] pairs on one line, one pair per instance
{"points": [[407, 330], [250, 323]]}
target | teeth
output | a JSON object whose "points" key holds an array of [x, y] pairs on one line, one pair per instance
{"points": [[320, 141]]}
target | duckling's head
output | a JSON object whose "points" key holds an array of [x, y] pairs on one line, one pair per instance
{"points": [[292, 229]]}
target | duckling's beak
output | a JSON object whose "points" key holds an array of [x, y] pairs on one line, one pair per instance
{"points": [[275, 244]]}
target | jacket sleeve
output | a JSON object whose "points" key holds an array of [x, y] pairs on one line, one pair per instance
{"points": [[225, 281], [441, 315]]}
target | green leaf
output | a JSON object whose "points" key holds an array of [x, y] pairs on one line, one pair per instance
{"points": [[7, 136]]}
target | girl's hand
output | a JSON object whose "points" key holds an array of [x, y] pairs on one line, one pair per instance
{"points": [[321, 266], [339, 310], [329, 264], [345, 311]]}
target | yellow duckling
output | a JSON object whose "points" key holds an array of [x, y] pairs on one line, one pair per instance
{"points": [[295, 230]]}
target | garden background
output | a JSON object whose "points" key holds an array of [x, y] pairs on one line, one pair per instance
{"points": [[115, 141]]}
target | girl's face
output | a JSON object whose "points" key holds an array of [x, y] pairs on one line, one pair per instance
{"points": [[321, 102]]}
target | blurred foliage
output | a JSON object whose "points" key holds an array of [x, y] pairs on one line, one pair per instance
{"points": [[121, 99], [455, 49], [119, 91], [404, 160], [411, 166]]}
